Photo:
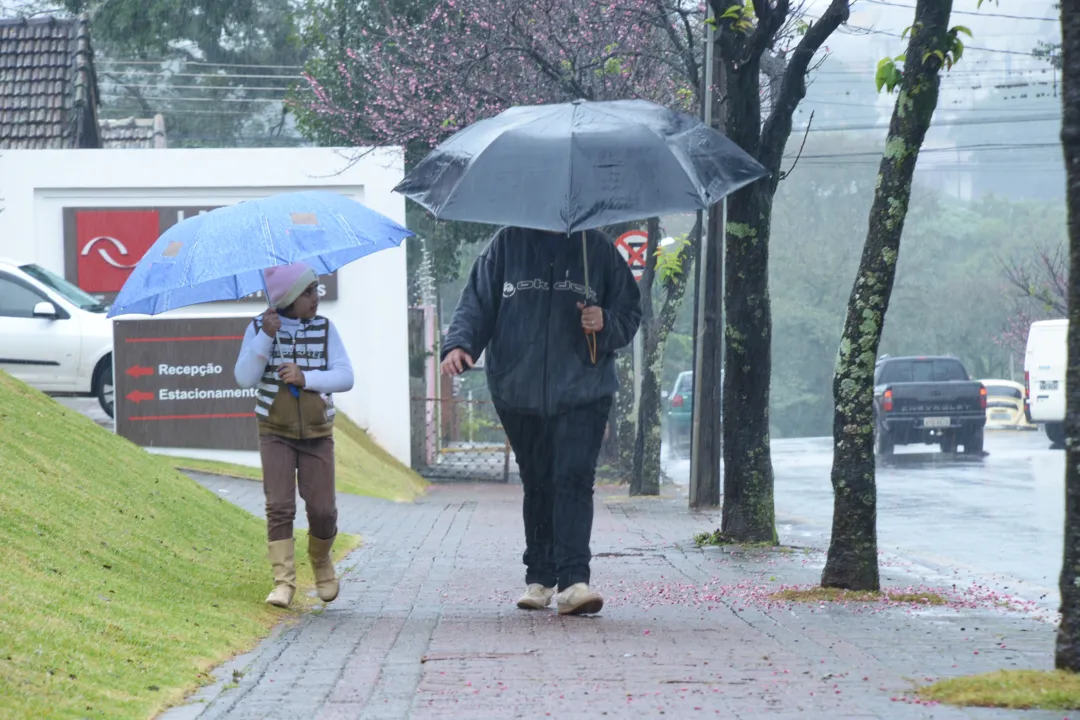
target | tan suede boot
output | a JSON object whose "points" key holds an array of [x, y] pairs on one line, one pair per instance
{"points": [[325, 580], [282, 559]]}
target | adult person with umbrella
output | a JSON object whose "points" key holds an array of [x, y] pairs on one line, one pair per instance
{"points": [[278, 245], [527, 303], [549, 309]]}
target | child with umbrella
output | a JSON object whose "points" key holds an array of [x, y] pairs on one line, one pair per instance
{"points": [[296, 360], [293, 356]]}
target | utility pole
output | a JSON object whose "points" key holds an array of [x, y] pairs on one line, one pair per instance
{"points": [[706, 448]]}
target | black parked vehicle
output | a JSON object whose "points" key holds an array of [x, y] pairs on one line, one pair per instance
{"points": [[928, 400]]}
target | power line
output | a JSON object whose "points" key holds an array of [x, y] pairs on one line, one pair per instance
{"points": [[106, 96], [983, 147], [873, 31], [951, 123], [199, 63], [215, 113], [954, 82], [967, 12], [1039, 67], [224, 76], [942, 107], [208, 88]]}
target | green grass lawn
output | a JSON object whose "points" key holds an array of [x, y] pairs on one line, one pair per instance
{"points": [[1017, 689], [121, 581], [363, 468]]}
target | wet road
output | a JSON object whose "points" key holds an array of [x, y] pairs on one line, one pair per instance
{"points": [[997, 520]]}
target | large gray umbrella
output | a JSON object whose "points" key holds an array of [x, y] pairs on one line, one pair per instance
{"points": [[581, 165]]}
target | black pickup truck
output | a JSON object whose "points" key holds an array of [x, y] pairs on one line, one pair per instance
{"points": [[929, 400]]}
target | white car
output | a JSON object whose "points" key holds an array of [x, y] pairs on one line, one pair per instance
{"points": [[54, 336]]}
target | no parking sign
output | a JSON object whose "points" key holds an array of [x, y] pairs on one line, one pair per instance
{"points": [[632, 246]]}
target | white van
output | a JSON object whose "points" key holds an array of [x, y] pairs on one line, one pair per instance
{"points": [[1044, 376]]}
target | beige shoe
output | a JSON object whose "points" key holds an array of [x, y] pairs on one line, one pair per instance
{"points": [[536, 597], [283, 562], [578, 599], [326, 582]]}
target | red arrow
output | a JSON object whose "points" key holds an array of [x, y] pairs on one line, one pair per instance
{"points": [[137, 396], [137, 371]]}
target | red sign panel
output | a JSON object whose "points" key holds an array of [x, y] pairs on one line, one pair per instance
{"points": [[109, 243], [632, 246]]}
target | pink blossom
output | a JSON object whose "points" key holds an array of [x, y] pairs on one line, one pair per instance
{"points": [[424, 82]]}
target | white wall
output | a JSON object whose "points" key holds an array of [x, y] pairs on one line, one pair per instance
{"points": [[371, 309]]}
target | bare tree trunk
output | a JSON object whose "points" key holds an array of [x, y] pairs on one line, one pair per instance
{"points": [[646, 476], [624, 423], [1067, 655], [748, 474], [852, 561], [749, 514]]}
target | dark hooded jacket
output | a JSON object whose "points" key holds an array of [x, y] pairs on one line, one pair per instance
{"points": [[520, 305]]}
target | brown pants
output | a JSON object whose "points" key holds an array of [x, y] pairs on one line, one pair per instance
{"points": [[308, 464]]}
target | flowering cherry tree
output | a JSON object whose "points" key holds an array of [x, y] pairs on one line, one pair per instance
{"points": [[469, 60]]}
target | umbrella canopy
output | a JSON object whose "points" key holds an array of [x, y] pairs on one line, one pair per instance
{"points": [[579, 165], [220, 255]]}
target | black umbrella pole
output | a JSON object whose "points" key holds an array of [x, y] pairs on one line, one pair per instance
{"points": [[585, 262], [590, 337]]}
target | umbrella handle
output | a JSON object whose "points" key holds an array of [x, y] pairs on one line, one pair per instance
{"points": [[585, 262], [293, 390], [590, 337]]}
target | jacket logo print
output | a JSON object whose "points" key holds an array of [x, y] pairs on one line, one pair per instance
{"points": [[510, 289]]}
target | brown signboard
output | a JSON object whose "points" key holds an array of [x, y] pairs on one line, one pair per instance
{"points": [[175, 386], [102, 246]]}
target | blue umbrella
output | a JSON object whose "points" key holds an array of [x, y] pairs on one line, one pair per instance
{"points": [[220, 255]]}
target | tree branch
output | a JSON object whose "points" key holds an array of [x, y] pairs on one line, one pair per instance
{"points": [[784, 175], [777, 129], [685, 48], [1043, 279], [770, 20], [569, 83]]}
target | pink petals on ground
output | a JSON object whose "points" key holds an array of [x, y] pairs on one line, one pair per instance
{"points": [[754, 594]]}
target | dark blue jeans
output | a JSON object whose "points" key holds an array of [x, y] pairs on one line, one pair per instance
{"points": [[557, 459]]}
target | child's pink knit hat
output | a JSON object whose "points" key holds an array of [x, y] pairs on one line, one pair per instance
{"points": [[285, 283]]}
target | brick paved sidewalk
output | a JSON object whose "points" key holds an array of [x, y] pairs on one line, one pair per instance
{"points": [[425, 627]]}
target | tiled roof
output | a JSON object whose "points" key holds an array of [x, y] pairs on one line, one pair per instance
{"points": [[133, 133], [48, 89]]}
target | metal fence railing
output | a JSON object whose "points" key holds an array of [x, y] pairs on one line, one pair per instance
{"points": [[460, 439]]}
